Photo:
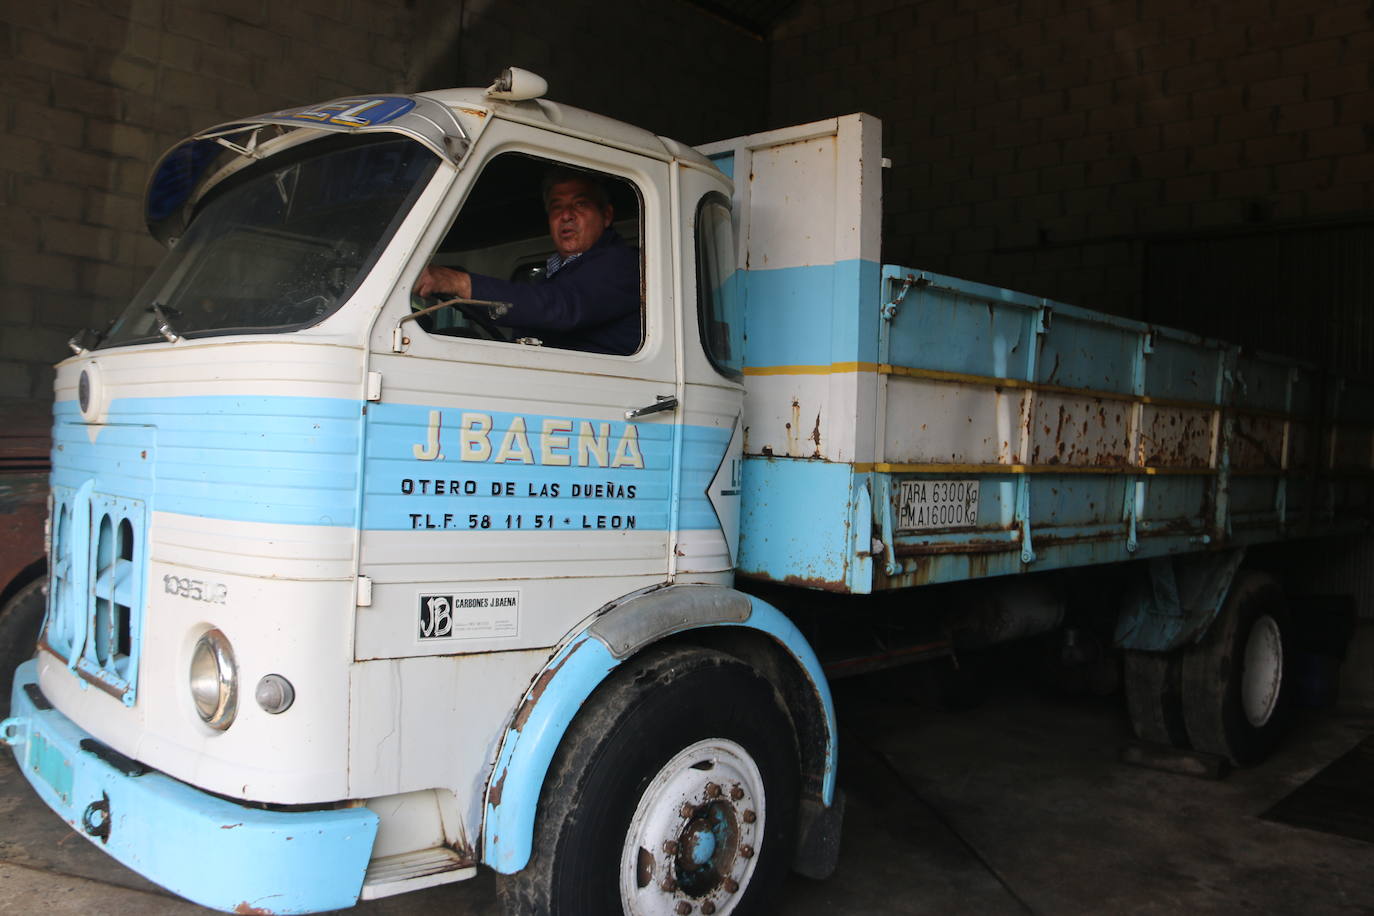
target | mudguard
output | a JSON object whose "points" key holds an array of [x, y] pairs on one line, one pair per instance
{"points": [[583, 662]]}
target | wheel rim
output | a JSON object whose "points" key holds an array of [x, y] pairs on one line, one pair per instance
{"points": [[1262, 675], [693, 843]]}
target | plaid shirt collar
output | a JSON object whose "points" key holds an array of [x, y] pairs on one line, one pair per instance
{"points": [[557, 262]]}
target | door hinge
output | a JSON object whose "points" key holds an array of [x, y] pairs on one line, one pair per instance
{"points": [[364, 591], [374, 386]]}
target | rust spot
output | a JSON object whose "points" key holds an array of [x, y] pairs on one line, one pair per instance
{"points": [[540, 685], [1001, 545], [247, 909], [814, 582], [230, 826], [467, 856], [497, 787]]}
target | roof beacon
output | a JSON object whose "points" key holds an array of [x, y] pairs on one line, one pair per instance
{"points": [[517, 85]]}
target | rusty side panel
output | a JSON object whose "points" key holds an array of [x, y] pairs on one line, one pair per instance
{"points": [[1176, 437], [1080, 431]]}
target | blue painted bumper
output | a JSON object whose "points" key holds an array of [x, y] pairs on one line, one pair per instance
{"points": [[209, 850]]}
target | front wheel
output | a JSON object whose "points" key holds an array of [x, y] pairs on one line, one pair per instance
{"points": [[20, 620], [673, 792]]}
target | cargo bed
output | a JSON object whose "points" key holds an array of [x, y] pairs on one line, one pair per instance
{"points": [[906, 428]]}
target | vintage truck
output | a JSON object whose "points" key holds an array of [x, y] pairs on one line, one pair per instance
{"points": [[352, 594]]}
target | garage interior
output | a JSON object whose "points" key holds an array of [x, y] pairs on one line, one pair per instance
{"points": [[1203, 165]]}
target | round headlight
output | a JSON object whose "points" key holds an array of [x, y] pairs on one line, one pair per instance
{"points": [[214, 680], [89, 392]]}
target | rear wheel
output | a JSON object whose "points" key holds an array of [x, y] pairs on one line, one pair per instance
{"points": [[20, 620], [1236, 688], [1154, 697], [674, 791]]}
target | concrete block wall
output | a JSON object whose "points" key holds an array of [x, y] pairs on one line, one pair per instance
{"points": [[91, 93], [667, 66], [1040, 144]]}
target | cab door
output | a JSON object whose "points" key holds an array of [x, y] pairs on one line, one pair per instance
{"points": [[711, 328], [511, 489]]}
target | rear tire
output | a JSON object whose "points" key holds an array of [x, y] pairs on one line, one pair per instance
{"points": [[1154, 697], [20, 620], [1237, 689], [676, 783]]}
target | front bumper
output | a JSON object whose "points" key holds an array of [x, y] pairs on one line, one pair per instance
{"points": [[214, 852]]}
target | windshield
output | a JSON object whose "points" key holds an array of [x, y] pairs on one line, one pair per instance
{"points": [[282, 245]]}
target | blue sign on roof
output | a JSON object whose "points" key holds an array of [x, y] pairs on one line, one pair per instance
{"points": [[364, 111]]}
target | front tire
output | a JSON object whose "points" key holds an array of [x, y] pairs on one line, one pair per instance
{"points": [[20, 620], [675, 785]]}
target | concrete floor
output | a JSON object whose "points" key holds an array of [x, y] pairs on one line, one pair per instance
{"points": [[1016, 806]]}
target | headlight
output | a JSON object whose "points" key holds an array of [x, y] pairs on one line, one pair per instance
{"points": [[214, 680]]}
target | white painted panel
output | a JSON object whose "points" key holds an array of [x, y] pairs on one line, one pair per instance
{"points": [[931, 422], [434, 722]]}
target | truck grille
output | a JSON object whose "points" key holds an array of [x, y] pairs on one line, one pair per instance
{"points": [[95, 602]]}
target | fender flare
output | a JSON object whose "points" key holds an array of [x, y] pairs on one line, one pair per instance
{"points": [[580, 666]]}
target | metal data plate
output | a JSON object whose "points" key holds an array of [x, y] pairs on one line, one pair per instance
{"points": [[928, 505]]}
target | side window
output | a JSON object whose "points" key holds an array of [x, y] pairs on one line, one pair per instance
{"points": [[544, 255], [720, 314]]}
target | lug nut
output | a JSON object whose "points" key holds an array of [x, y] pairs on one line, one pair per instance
{"points": [[736, 793], [683, 908], [708, 908], [750, 816], [687, 810], [669, 885], [730, 885], [747, 851], [670, 847], [712, 790]]}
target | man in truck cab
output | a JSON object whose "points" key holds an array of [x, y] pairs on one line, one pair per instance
{"points": [[589, 297]]}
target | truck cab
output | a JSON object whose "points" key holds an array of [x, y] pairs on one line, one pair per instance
{"points": [[360, 576]]}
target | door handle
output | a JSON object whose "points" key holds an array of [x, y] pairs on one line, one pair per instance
{"points": [[664, 402]]}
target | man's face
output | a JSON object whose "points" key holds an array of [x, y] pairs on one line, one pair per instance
{"points": [[576, 221]]}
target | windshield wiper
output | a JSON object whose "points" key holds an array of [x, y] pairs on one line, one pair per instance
{"points": [[88, 339], [164, 324]]}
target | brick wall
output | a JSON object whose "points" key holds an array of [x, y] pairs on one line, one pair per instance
{"points": [[91, 94], [666, 66], [1041, 144]]}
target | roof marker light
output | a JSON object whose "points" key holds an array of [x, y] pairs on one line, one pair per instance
{"points": [[517, 85]]}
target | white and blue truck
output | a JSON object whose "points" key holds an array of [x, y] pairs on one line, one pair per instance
{"points": [[352, 595]]}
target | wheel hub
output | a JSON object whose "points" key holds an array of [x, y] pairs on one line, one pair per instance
{"points": [[691, 845], [1262, 676]]}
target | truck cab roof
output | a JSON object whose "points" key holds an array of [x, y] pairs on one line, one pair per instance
{"points": [[445, 121]]}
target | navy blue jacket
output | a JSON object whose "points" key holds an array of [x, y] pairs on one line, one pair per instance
{"points": [[591, 303]]}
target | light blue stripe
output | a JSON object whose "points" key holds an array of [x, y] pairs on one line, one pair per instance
{"points": [[405, 493], [254, 459], [725, 162], [289, 460], [814, 315]]}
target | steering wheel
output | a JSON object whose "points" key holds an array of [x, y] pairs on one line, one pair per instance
{"points": [[483, 320]]}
